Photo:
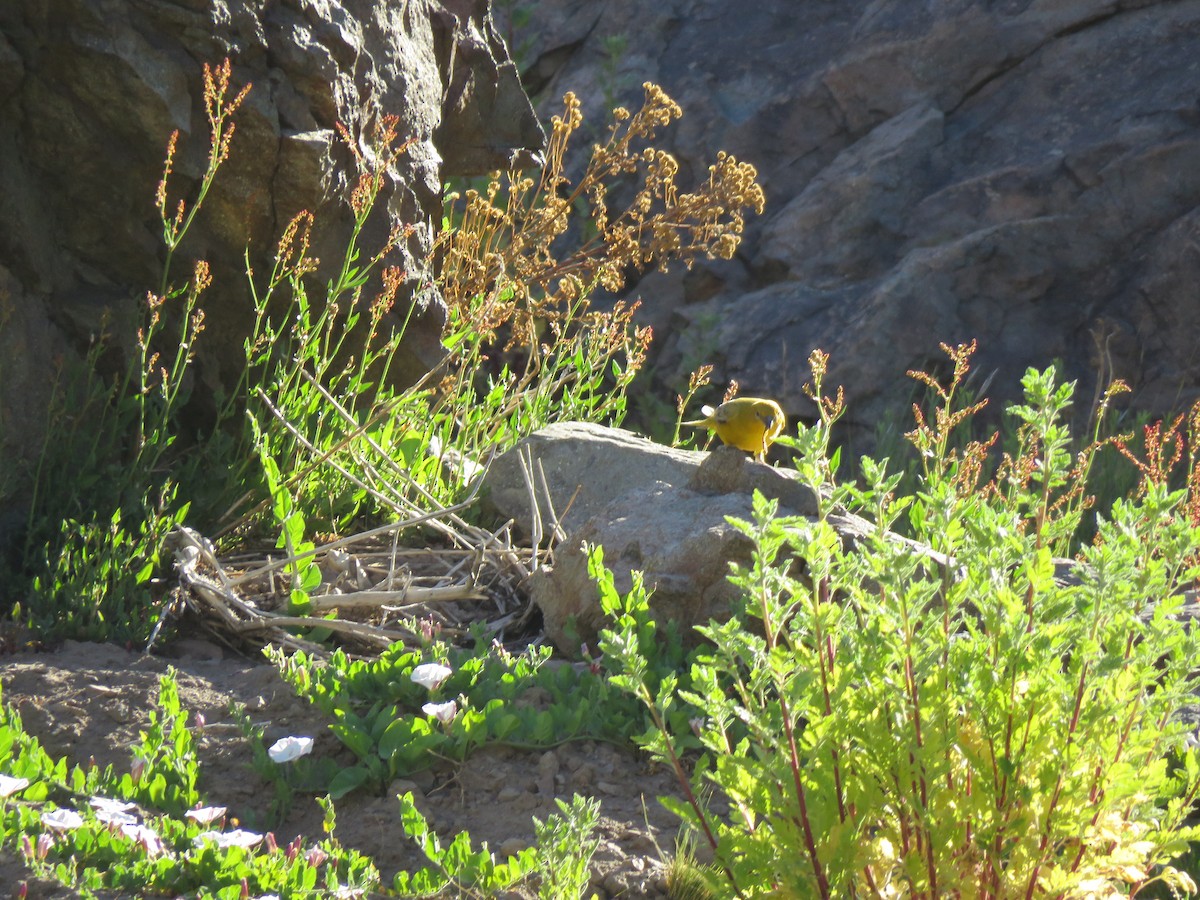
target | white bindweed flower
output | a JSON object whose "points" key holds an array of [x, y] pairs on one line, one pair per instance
{"points": [[10, 785], [289, 748], [62, 819], [205, 815], [443, 712], [118, 810], [225, 839], [147, 837], [431, 675], [115, 817]]}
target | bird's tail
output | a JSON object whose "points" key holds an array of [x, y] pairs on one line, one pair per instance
{"points": [[708, 412]]}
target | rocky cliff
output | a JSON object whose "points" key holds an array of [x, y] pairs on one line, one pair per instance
{"points": [[90, 91], [1021, 172]]}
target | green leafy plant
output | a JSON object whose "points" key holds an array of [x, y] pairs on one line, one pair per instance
{"points": [[317, 432], [102, 501], [951, 715], [165, 756], [566, 844], [384, 717], [457, 866], [93, 829]]}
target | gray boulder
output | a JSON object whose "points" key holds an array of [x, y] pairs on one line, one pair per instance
{"points": [[653, 509]]}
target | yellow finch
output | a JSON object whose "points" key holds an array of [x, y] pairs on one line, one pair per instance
{"points": [[748, 423]]}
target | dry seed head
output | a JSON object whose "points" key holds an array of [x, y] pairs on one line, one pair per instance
{"points": [[151, 363], [393, 280], [348, 140], [160, 195], [201, 276], [292, 249]]}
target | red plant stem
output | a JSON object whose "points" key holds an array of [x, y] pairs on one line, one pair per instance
{"points": [[809, 842], [825, 655], [688, 793], [1045, 841], [771, 637]]}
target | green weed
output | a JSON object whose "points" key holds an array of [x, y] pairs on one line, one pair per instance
{"points": [[566, 844]]}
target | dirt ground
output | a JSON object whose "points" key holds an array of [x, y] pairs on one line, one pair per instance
{"points": [[88, 701]]}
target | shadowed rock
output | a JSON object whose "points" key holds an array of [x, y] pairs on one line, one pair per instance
{"points": [[90, 92], [1022, 173]]}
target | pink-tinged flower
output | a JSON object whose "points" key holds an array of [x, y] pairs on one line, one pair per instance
{"points": [[227, 839], [137, 770], [205, 815], [443, 712], [26, 847], [62, 819], [289, 748], [147, 837], [316, 857], [294, 848], [269, 840], [44, 842], [431, 675], [10, 785], [198, 721]]}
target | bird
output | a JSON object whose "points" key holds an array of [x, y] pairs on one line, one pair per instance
{"points": [[748, 423]]}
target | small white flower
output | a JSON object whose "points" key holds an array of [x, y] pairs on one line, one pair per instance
{"points": [[108, 805], [431, 675], [443, 712], [115, 817], [10, 785], [62, 819], [225, 839], [147, 837], [289, 748], [205, 815]]}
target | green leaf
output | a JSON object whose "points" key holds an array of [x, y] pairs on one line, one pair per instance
{"points": [[348, 780]]}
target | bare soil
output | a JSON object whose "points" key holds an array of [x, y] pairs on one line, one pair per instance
{"points": [[89, 701]]}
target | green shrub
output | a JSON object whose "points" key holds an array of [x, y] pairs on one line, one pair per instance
{"points": [[953, 716]]}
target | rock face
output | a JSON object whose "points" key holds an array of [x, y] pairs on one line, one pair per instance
{"points": [[90, 90], [1018, 172], [655, 510]]}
